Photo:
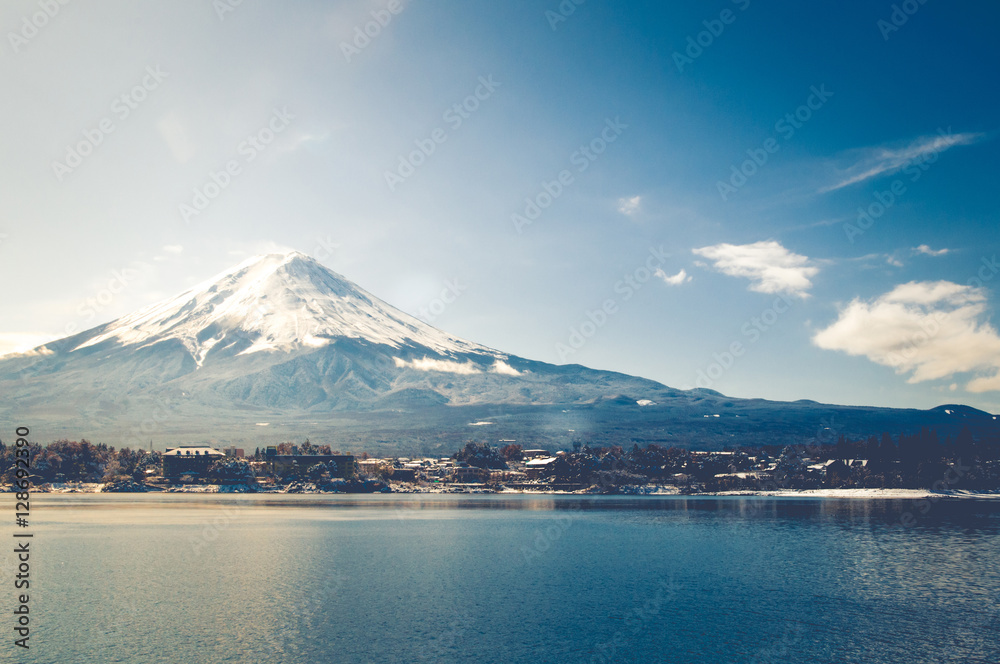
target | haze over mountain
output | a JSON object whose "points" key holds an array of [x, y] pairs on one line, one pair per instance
{"points": [[281, 348]]}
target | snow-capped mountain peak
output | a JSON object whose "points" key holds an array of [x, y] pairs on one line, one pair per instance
{"points": [[276, 302]]}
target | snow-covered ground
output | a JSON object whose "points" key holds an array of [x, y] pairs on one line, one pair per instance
{"points": [[649, 490], [71, 487]]}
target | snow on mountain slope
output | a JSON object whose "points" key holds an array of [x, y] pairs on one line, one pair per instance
{"points": [[283, 302]]}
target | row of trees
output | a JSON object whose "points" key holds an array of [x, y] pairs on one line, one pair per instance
{"points": [[83, 461], [911, 449], [291, 448], [910, 461], [80, 461]]}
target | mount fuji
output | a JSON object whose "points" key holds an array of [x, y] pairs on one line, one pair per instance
{"points": [[282, 348]]}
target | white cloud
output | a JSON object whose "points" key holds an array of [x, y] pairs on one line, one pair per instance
{"points": [[171, 250], [928, 329], [871, 261], [681, 277], [444, 366], [629, 206], [932, 292], [883, 160], [299, 139], [926, 250], [504, 369], [869, 257], [450, 366], [769, 266], [16, 342]]}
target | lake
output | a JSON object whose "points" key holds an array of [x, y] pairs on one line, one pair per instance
{"points": [[185, 578]]}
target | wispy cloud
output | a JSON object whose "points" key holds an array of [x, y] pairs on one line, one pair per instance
{"points": [[16, 342], [681, 277], [300, 139], [926, 250], [928, 329], [872, 162], [874, 260], [629, 206], [169, 250], [443, 366], [769, 266], [504, 369], [820, 223], [450, 366]]}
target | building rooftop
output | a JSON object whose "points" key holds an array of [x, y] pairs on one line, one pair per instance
{"points": [[192, 450]]}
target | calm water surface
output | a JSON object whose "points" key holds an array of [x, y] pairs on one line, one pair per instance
{"points": [[187, 578]]}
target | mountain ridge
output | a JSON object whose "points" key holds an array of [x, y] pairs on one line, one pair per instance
{"points": [[279, 346]]}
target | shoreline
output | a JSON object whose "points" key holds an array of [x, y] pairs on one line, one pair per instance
{"points": [[637, 491]]}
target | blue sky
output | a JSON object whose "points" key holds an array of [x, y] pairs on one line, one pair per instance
{"points": [[578, 196]]}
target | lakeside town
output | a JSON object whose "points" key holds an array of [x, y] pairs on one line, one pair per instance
{"points": [[909, 462]]}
